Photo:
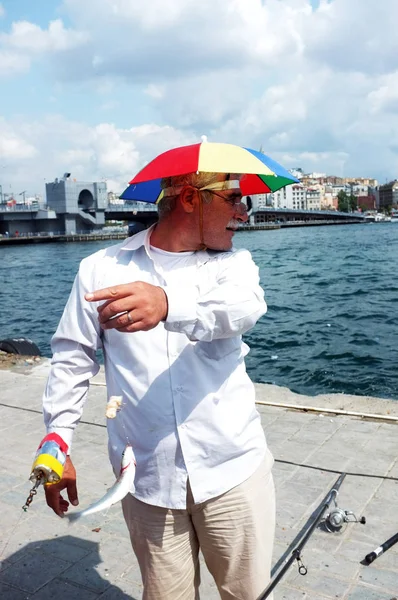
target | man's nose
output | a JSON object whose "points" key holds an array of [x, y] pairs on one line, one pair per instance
{"points": [[241, 212]]}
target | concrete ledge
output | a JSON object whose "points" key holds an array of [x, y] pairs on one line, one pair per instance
{"points": [[363, 404], [39, 367]]}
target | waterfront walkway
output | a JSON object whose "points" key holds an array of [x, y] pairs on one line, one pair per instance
{"points": [[58, 237], [43, 557]]}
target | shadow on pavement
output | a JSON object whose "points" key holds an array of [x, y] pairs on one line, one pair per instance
{"points": [[65, 568]]}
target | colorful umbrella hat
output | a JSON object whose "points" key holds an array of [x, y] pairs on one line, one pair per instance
{"points": [[261, 174]]}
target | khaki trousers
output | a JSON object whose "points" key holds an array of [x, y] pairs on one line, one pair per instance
{"points": [[234, 531]]}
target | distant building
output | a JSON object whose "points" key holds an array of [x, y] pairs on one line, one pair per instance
{"points": [[333, 180], [260, 201], [320, 178], [316, 175], [359, 189], [365, 181], [388, 195], [313, 198], [367, 202], [336, 189], [327, 200], [114, 198], [293, 197], [298, 173]]}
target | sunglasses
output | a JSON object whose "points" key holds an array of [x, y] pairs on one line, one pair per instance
{"points": [[243, 207]]}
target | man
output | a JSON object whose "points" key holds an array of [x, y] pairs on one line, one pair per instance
{"points": [[168, 306]]}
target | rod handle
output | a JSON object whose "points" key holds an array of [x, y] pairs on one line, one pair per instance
{"points": [[369, 558]]}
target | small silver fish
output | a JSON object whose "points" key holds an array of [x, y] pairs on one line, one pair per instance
{"points": [[122, 486]]}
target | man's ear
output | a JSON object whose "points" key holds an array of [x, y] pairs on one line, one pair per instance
{"points": [[188, 198]]}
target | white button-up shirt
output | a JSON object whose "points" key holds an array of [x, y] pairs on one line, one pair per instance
{"points": [[188, 403]]}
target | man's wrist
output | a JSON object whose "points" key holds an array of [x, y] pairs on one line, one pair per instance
{"points": [[165, 303]]}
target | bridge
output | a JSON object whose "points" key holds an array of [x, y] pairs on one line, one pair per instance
{"points": [[283, 217], [137, 212], [287, 217], [31, 220]]}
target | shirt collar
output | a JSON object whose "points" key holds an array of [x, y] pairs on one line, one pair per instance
{"points": [[143, 239]]}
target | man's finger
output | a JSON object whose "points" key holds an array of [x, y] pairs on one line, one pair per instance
{"points": [[136, 326], [53, 499], [101, 307], [113, 293], [121, 320], [118, 307], [72, 492]]}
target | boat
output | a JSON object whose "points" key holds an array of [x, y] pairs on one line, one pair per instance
{"points": [[382, 218], [377, 218]]}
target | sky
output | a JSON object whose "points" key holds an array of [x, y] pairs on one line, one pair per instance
{"points": [[99, 88]]}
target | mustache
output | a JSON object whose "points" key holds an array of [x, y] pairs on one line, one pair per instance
{"points": [[233, 224]]}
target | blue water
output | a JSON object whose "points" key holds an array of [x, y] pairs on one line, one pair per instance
{"points": [[332, 295]]}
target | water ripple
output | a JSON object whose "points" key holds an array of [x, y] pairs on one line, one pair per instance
{"points": [[332, 298], [331, 324]]}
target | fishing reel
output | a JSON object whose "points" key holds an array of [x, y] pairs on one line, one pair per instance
{"points": [[48, 464], [337, 519]]}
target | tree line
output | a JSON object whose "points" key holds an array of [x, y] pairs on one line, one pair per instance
{"points": [[347, 202]]}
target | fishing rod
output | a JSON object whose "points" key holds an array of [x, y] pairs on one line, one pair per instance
{"points": [[369, 558], [296, 553]]}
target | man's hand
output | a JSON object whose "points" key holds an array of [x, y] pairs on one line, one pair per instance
{"points": [[140, 306], [53, 491]]}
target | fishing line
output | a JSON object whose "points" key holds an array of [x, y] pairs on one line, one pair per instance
{"points": [[28, 502], [289, 462], [123, 423], [12, 534], [39, 412], [119, 411]]}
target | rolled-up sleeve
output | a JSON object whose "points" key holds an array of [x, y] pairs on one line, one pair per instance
{"points": [[226, 305], [74, 362]]}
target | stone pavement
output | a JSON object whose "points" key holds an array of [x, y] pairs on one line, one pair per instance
{"points": [[43, 557]]}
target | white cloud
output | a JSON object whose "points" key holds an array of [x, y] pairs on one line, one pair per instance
{"points": [[155, 91], [75, 156], [35, 151], [110, 105], [103, 86], [354, 36], [31, 38], [12, 63], [384, 98], [152, 42], [315, 88], [27, 41], [13, 145]]}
